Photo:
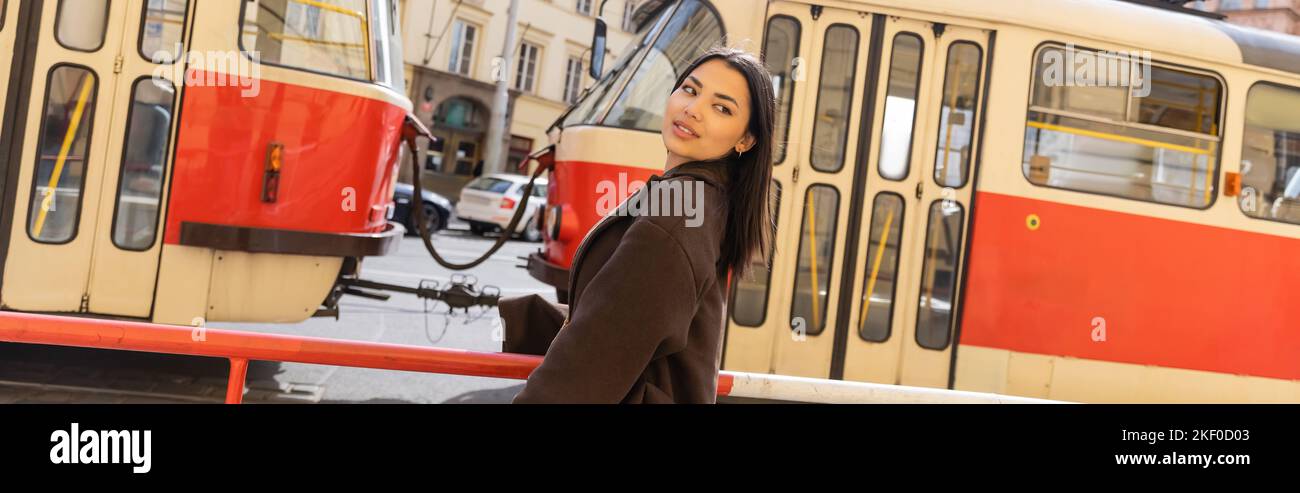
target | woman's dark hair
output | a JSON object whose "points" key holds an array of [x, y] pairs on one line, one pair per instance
{"points": [[750, 224]]}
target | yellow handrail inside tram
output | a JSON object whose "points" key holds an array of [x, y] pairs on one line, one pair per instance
{"points": [[287, 37], [812, 254], [1116, 138], [875, 271], [930, 261], [68, 137]]}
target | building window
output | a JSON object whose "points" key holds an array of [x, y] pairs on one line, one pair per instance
{"points": [[573, 80], [520, 147], [460, 114], [1154, 139], [526, 70], [463, 37], [584, 7], [433, 161], [629, 8]]}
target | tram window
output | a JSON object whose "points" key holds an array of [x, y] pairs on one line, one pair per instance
{"points": [[81, 24], [641, 106], [160, 33], [144, 157], [603, 91], [834, 98], [900, 106], [60, 174], [328, 36], [1270, 154], [780, 50], [939, 274], [881, 277], [749, 294], [812, 279], [1153, 139], [961, 83]]}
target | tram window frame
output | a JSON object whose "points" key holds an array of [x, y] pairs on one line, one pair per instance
{"points": [[640, 103], [126, 147], [103, 34], [1132, 105], [144, 16], [767, 286], [809, 328], [954, 283], [976, 115], [842, 150], [897, 226], [916, 107], [370, 71], [791, 81], [1260, 202], [89, 144]]}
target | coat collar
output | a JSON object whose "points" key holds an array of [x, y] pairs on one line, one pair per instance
{"points": [[715, 171]]}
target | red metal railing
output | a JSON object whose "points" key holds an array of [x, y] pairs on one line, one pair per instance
{"points": [[239, 347]]}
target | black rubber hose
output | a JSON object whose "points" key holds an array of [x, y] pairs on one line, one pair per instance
{"points": [[410, 131]]}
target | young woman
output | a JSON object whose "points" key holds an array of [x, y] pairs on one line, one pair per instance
{"points": [[648, 290]]}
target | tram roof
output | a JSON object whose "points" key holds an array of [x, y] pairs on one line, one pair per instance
{"points": [[1120, 22]]}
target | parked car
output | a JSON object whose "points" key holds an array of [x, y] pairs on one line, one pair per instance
{"points": [[437, 209], [489, 202]]}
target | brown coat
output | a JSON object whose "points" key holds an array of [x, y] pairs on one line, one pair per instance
{"points": [[647, 306]]}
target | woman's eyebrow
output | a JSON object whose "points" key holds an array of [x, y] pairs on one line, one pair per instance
{"points": [[719, 95]]}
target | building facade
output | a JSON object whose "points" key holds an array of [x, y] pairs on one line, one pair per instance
{"points": [[452, 52], [1274, 15]]}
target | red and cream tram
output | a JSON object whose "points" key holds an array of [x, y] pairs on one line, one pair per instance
{"points": [[188, 160], [1084, 200]]}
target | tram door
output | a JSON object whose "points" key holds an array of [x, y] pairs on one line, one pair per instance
{"points": [[905, 290], [884, 223], [89, 183]]}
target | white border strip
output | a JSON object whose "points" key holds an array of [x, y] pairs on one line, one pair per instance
{"points": [[824, 391]]}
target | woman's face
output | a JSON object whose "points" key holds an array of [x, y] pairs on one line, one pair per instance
{"points": [[713, 105]]}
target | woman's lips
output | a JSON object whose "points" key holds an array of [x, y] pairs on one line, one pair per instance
{"points": [[682, 133]]}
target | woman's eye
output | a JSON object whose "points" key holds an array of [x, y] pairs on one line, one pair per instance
{"points": [[690, 90], [724, 109]]}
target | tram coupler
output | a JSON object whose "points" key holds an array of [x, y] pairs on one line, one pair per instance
{"points": [[461, 292]]}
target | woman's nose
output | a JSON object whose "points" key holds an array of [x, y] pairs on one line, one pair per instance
{"points": [[690, 111]]}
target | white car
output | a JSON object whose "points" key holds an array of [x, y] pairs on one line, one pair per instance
{"points": [[488, 203]]}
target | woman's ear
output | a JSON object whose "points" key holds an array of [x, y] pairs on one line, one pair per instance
{"points": [[746, 143]]}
